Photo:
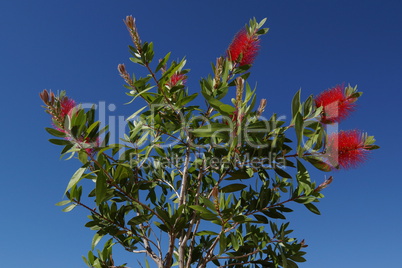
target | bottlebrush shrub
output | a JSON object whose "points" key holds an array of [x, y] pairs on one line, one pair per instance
{"points": [[202, 186]]}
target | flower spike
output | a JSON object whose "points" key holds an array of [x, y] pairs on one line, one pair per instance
{"points": [[337, 103], [347, 149]]}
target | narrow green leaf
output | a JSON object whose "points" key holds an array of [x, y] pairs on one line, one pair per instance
{"points": [[298, 121], [261, 218], [222, 243], [227, 108], [62, 203], [93, 129], [139, 219], [205, 233], [186, 100], [200, 209], [95, 240], [55, 132], [76, 177], [233, 188], [238, 175], [306, 199], [282, 173], [235, 242], [60, 142], [69, 208], [100, 188], [296, 106], [136, 113], [372, 147], [162, 63], [318, 163], [312, 208], [298, 258]]}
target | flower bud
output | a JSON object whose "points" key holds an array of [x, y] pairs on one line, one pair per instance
{"points": [[44, 96]]}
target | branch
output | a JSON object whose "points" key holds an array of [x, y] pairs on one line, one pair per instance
{"points": [[111, 183]]}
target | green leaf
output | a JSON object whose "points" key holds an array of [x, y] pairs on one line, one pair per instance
{"points": [[136, 113], [222, 243], [216, 130], [262, 31], [161, 226], [282, 173], [122, 171], [297, 258], [60, 142], [318, 163], [239, 175], [371, 147], [100, 187], [162, 63], [204, 212], [93, 129], [214, 102], [209, 204], [76, 177], [308, 106], [69, 208], [55, 132], [62, 203], [205, 233], [233, 188], [296, 106], [200, 209], [186, 100], [298, 121], [306, 199], [261, 218], [274, 214], [312, 208], [83, 157], [95, 240], [227, 108], [139, 219], [235, 242]]}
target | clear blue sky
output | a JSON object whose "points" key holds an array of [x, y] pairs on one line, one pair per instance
{"points": [[76, 46]]}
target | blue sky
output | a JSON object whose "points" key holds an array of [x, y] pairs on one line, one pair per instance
{"points": [[312, 44]]}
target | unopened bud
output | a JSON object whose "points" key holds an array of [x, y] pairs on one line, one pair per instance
{"points": [[132, 28], [124, 74], [44, 96], [239, 90], [215, 192], [218, 71], [122, 69], [51, 98], [129, 22], [324, 184], [261, 108]]}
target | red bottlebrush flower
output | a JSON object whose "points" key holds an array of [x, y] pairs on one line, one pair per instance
{"points": [[66, 106], [346, 149], [177, 79], [336, 106], [243, 45], [89, 145]]}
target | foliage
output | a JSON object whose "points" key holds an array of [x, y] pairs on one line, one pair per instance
{"points": [[193, 186]]}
